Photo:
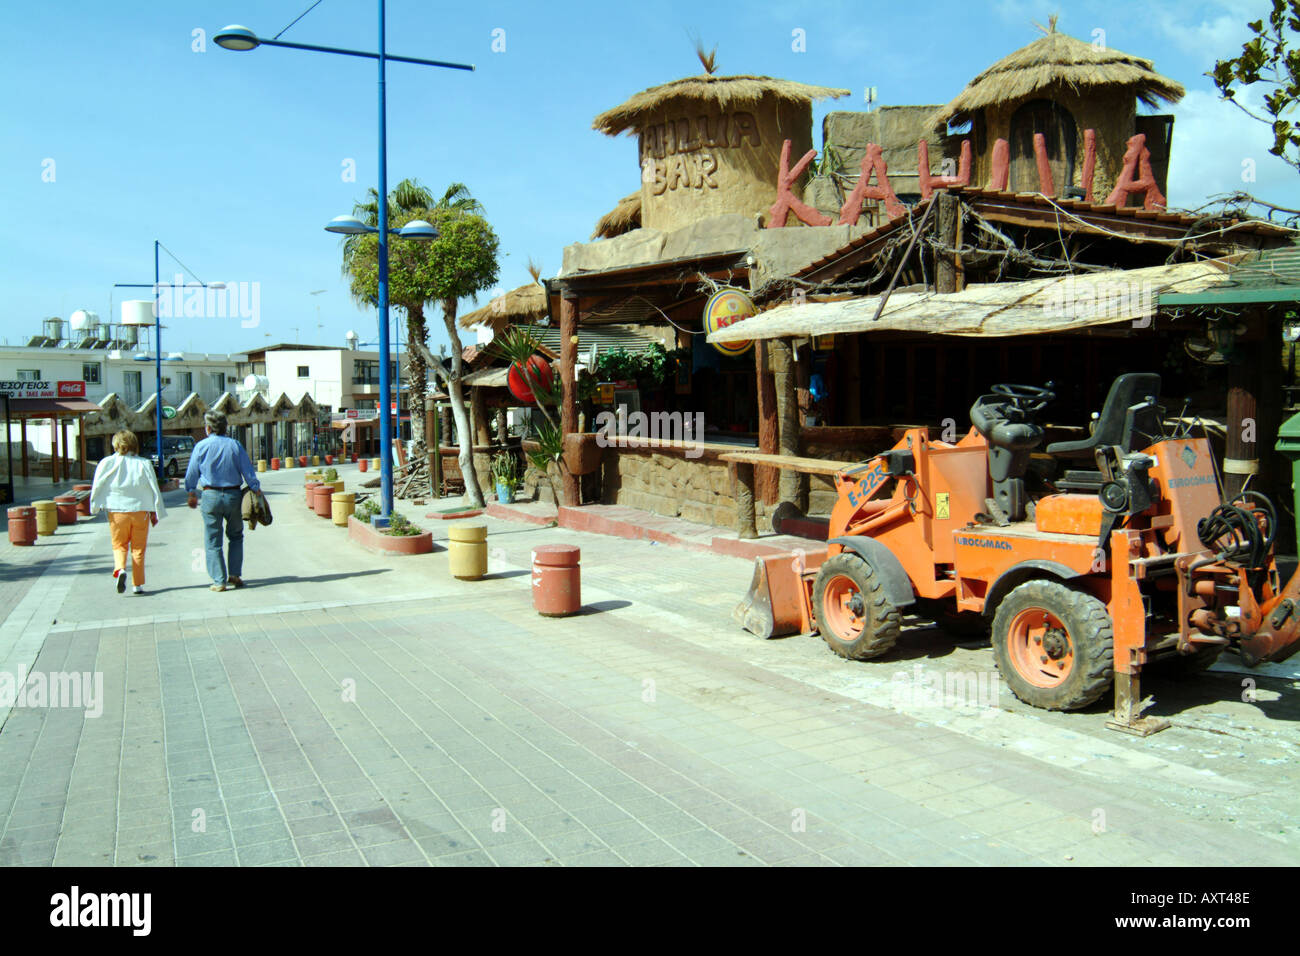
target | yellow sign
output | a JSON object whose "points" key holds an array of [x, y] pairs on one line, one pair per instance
{"points": [[725, 307], [941, 506]]}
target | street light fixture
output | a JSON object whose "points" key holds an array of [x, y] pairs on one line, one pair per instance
{"points": [[240, 39]]}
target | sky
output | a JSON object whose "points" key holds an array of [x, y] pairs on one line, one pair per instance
{"points": [[126, 124]]}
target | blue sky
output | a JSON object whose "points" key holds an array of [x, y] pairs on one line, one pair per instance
{"points": [[236, 161]]}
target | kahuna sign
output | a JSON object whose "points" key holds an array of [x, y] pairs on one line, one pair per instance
{"points": [[43, 389], [681, 153]]}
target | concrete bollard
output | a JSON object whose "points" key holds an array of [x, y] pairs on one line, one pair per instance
{"points": [[83, 506], [22, 525], [275, 464], [261, 464], [302, 461], [467, 551], [66, 506], [374, 463], [557, 580], [315, 461], [47, 517], [343, 504], [311, 487], [321, 494], [312, 476], [363, 464], [289, 463]]}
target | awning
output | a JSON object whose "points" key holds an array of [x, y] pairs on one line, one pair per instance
{"points": [[50, 407], [1031, 307]]}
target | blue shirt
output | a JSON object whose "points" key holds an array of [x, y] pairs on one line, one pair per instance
{"points": [[220, 462]]}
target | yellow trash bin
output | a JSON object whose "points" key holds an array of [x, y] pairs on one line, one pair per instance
{"points": [[467, 551], [261, 464], [47, 517], [342, 504]]}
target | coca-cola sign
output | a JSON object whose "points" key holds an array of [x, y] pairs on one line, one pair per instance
{"points": [[72, 390]]}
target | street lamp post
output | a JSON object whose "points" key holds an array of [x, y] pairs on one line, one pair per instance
{"points": [[157, 347], [240, 38]]}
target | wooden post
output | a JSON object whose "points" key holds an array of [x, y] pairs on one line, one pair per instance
{"points": [[945, 266], [23, 439], [54, 450], [482, 433], [787, 415], [746, 528], [432, 440], [569, 403], [767, 478], [67, 450], [81, 436], [1241, 459]]}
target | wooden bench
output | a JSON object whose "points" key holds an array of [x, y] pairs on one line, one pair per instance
{"points": [[744, 462]]}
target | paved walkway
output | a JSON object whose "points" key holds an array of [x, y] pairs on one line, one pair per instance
{"points": [[351, 709]]}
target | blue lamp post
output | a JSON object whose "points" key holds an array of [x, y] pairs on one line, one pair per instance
{"points": [[157, 347], [240, 38]]}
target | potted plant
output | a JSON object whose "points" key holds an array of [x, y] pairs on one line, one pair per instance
{"points": [[505, 472]]}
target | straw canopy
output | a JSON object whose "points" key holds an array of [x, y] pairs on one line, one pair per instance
{"points": [[1057, 59], [526, 303], [726, 92], [624, 217]]}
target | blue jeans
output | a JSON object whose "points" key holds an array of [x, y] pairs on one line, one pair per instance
{"points": [[218, 507]]}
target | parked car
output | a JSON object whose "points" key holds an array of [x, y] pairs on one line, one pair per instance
{"points": [[176, 453]]}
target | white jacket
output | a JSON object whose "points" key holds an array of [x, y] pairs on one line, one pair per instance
{"points": [[126, 483]]}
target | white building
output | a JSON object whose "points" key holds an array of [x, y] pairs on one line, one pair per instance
{"points": [[336, 378]]}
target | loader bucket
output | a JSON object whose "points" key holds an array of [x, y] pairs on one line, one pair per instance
{"points": [[777, 602]]}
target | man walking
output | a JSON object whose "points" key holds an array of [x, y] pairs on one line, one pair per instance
{"points": [[220, 465]]}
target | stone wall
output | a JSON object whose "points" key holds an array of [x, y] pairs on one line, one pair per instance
{"points": [[698, 490]]}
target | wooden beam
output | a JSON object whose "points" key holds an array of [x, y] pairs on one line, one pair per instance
{"points": [[767, 479], [569, 318]]}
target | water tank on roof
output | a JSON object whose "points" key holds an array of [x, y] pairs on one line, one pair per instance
{"points": [[83, 320], [137, 312], [352, 338], [256, 383], [52, 328]]}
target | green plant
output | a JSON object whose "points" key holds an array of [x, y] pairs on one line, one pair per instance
{"points": [[550, 441], [505, 470], [1269, 62], [331, 474], [366, 510], [654, 365], [400, 527]]}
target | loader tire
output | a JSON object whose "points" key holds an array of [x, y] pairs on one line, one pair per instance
{"points": [[854, 616], [1054, 646]]}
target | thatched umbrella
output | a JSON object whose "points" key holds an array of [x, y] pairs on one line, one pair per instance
{"points": [[1095, 86], [712, 144], [624, 217], [528, 303]]}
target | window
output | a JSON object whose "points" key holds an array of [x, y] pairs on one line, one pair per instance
{"points": [[187, 383], [365, 372], [304, 371], [131, 381], [90, 373], [29, 375]]}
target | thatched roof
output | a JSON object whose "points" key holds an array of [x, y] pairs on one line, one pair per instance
{"points": [[527, 303], [1057, 59], [624, 217], [726, 92]]}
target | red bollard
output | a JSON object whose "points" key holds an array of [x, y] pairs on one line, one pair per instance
{"points": [[66, 506], [329, 459], [22, 525], [83, 506], [311, 487], [321, 499], [557, 580], [363, 464], [275, 464], [302, 461]]}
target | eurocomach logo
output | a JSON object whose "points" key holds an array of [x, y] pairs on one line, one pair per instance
{"points": [[984, 543]]}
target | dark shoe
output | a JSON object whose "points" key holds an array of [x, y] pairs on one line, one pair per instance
{"points": [[235, 581], [121, 580]]}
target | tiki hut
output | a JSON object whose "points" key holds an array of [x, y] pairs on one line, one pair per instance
{"points": [[525, 304], [624, 217], [711, 145], [1060, 87]]}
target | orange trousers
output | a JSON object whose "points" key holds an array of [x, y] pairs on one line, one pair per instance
{"points": [[129, 529]]}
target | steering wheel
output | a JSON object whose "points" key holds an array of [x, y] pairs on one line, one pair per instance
{"points": [[1024, 393]]}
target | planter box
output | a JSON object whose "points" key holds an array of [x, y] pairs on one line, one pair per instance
{"points": [[370, 539], [582, 453]]}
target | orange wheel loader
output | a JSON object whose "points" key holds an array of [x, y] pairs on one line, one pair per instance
{"points": [[1086, 563]]}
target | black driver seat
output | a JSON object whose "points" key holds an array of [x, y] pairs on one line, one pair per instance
{"points": [[1129, 418]]}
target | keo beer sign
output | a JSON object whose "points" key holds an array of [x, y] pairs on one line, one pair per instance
{"points": [[725, 307]]}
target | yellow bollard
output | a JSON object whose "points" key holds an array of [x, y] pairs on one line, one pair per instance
{"points": [[261, 464], [47, 517], [467, 551], [312, 476], [289, 461], [315, 461], [374, 463], [342, 504]]}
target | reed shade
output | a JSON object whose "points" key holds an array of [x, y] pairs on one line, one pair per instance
{"points": [[526, 304], [624, 217], [1035, 306], [1057, 60]]}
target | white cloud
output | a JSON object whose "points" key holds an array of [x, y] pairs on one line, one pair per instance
{"points": [[1215, 35], [1214, 142]]}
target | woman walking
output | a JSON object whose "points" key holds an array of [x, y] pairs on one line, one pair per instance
{"points": [[125, 487]]}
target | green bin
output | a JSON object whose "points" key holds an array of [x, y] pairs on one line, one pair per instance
{"points": [[1288, 445]]}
